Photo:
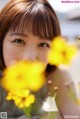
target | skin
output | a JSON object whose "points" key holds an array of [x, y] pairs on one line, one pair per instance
{"points": [[24, 46]]}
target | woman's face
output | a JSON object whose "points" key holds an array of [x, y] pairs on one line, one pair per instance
{"points": [[19, 46]]}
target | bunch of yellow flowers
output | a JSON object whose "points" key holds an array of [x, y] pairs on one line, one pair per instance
{"points": [[21, 79]]}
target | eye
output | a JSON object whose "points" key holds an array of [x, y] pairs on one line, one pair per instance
{"points": [[18, 42], [44, 45]]}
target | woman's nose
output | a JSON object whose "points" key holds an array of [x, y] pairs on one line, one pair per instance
{"points": [[30, 55]]}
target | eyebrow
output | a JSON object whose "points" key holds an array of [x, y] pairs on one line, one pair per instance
{"points": [[19, 34]]}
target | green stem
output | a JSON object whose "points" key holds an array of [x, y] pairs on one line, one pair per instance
{"points": [[27, 112]]}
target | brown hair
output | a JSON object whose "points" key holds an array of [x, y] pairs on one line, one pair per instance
{"points": [[36, 16]]}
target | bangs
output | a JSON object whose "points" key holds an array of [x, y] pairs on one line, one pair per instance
{"points": [[38, 23]]}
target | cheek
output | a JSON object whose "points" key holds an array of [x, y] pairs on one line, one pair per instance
{"points": [[9, 54]]}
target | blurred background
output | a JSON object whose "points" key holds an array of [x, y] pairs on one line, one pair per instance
{"points": [[69, 18]]}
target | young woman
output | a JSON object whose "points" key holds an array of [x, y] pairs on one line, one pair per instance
{"points": [[26, 30]]}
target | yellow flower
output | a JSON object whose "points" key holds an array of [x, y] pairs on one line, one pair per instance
{"points": [[19, 93], [61, 52], [24, 75], [24, 101], [21, 98]]}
